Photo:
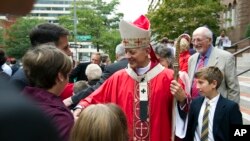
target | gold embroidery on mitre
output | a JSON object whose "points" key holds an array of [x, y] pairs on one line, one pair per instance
{"points": [[136, 42]]}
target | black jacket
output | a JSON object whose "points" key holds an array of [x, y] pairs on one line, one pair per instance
{"points": [[79, 72], [19, 79]]}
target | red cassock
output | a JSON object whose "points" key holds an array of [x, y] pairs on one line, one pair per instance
{"points": [[123, 90]]}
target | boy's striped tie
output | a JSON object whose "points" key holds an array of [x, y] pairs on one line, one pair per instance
{"points": [[204, 130]]}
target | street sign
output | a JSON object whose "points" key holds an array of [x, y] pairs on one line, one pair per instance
{"points": [[82, 38]]}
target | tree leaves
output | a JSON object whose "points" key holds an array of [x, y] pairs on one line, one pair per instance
{"points": [[173, 17], [98, 19], [17, 41]]}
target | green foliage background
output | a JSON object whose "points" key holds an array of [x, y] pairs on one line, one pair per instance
{"points": [[248, 31], [17, 41], [98, 19], [170, 18]]}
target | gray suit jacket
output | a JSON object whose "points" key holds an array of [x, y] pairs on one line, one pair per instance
{"points": [[226, 63]]}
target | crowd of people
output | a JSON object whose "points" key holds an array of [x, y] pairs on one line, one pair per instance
{"points": [[136, 98]]}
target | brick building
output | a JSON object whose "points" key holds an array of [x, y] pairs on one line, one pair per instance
{"points": [[238, 11]]}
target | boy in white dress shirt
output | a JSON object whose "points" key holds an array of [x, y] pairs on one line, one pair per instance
{"points": [[211, 115]]}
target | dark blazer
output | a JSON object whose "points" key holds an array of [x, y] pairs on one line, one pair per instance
{"points": [[79, 72], [19, 79], [14, 68], [226, 113], [108, 71]]}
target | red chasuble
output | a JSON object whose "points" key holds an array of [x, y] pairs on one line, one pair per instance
{"points": [[122, 89]]}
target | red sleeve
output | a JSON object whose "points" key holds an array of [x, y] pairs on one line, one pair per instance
{"points": [[100, 95], [68, 91]]}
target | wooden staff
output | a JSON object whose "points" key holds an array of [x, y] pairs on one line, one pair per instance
{"points": [[176, 77], [176, 64]]}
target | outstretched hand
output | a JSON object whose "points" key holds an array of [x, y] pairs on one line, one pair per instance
{"points": [[76, 113]]}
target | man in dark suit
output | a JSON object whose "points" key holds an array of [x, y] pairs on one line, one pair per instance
{"points": [[79, 72], [211, 115], [41, 34], [108, 71]]}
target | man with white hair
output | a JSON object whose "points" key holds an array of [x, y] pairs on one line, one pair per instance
{"points": [[109, 70], [206, 56], [93, 73]]}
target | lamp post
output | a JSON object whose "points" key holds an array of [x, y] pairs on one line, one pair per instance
{"points": [[75, 28]]}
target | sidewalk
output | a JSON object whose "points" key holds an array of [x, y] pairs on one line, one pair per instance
{"points": [[245, 98]]}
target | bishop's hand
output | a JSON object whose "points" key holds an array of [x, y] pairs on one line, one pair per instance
{"points": [[178, 92]]}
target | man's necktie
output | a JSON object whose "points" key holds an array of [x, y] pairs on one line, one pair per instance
{"points": [[201, 64], [205, 120]]}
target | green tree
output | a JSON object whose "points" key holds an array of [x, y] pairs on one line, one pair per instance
{"points": [[109, 41], [248, 31], [17, 41], [98, 19], [170, 18], [1, 37]]}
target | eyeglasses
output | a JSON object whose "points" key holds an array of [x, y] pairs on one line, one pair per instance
{"points": [[199, 40]]}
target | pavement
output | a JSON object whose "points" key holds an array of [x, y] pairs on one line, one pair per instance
{"points": [[244, 82]]}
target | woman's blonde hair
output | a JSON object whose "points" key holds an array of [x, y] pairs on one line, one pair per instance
{"points": [[101, 122]]}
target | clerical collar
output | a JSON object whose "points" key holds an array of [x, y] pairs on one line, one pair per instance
{"points": [[141, 71]]}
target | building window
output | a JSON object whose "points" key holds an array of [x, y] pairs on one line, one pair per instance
{"points": [[224, 19], [234, 15], [57, 8], [229, 16]]}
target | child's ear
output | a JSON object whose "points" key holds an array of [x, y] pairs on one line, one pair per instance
{"points": [[60, 77], [214, 83]]}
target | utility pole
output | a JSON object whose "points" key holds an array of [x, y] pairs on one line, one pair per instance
{"points": [[75, 29]]}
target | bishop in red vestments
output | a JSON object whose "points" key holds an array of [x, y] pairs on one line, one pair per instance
{"points": [[142, 90]]}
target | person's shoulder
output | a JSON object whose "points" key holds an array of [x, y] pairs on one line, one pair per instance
{"points": [[167, 70], [120, 72], [84, 64], [117, 65], [118, 76], [167, 73], [19, 74], [223, 53], [197, 100], [227, 102]]}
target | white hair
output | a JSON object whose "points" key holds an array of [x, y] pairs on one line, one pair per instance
{"points": [[93, 71], [205, 31], [120, 50]]}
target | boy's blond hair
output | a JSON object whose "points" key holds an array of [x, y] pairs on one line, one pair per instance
{"points": [[210, 74], [101, 122]]}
